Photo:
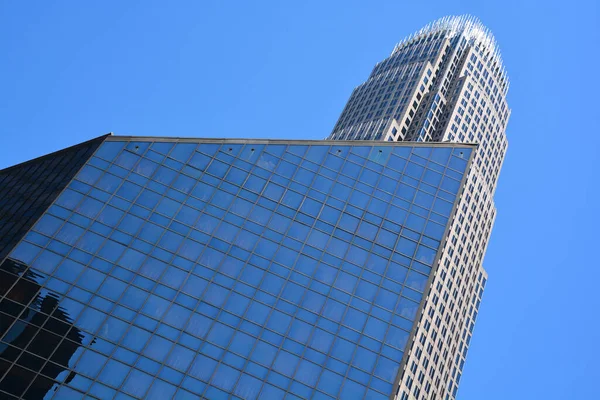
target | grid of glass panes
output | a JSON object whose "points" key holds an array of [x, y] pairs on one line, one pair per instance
{"points": [[253, 270]]}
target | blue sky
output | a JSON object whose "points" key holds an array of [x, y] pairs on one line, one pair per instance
{"points": [[75, 70]]}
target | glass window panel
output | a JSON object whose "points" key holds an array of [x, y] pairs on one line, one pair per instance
{"points": [[375, 328], [202, 367], [257, 313], [313, 302], [155, 306], [168, 207], [132, 259], [130, 191], [211, 258], [423, 199], [251, 275], [48, 225], [343, 350], [183, 151], [36, 238], [90, 242], [364, 359], [386, 299], [255, 184], [397, 337], [264, 353], [355, 319], [292, 199], [376, 264], [443, 207], [203, 191], [109, 150], [225, 377], [113, 288], [434, 230], [352, 390], [242, 344], [405, 191], [90, 279], [89, 207], [215, 295], [207, 223], [47, 262], [459, 164], [415, 222], [198, 325], [161, 390], [425, 255], [177, 316], [187, 215], [69, 270], [217, 168], [222, 199], [200, 161], [90, 363], [90, 320], [407, 308], [231, 267], [137, 383], [386, 238], [366, 290], [285, 363], [158, 348], [127, 159], [433, 178], [330, 382], [279, 322], [146, 167], [271, 392], [357, 255], [450, 185], [386, 369], [248, 387], [220, 334], [406, 246], [416, 281], [322, 183]]}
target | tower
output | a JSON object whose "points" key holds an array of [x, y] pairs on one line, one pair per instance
{"points": [[445, 83]]}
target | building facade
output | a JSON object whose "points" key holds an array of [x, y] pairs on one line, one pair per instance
{"points": [[156, 268], [446, 83]]}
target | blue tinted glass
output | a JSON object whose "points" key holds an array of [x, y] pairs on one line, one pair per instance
{"points": [[248, 270]]}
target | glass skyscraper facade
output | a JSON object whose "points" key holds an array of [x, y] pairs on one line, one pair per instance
{"points": [[216, 269]]}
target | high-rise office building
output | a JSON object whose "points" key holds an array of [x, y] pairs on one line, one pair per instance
{"points": [[156, 268], [445, 83], [161, 268]]}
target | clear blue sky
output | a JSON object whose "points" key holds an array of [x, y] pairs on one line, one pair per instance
{"points": [[75, 70]]}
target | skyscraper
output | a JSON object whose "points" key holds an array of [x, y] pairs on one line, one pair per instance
{"points": [[445, 83], [157, 268], [136, 267]]}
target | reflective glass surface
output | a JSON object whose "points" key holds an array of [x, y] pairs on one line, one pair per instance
{"points": [[227, 270]]}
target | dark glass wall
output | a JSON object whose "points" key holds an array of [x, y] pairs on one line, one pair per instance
{"points": [[27, 189], [37, 334]]}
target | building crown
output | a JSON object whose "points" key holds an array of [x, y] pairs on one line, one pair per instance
{"points": [[472, 30]]}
